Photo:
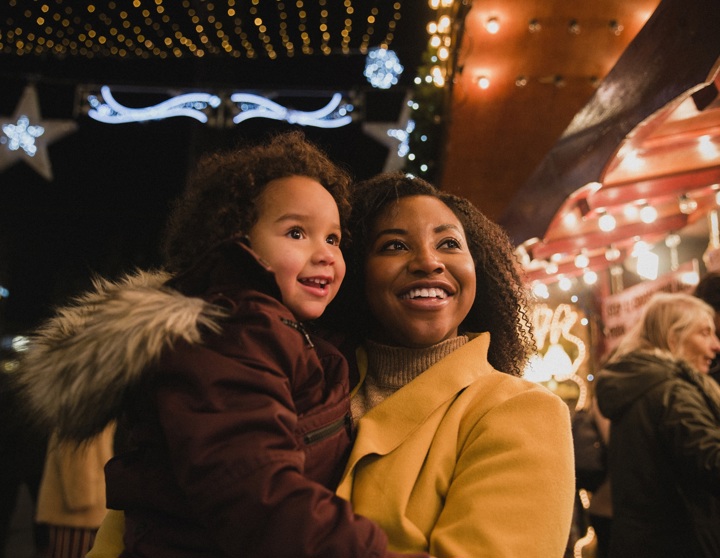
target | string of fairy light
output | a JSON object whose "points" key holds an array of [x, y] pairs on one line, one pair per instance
{"points": [[178, 29], [245, 29]]}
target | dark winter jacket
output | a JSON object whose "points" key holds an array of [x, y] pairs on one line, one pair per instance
{"points": [[664, 457], [233, 411]]}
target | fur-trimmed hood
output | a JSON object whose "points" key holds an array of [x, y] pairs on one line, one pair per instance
{"points": [[81, 363]]}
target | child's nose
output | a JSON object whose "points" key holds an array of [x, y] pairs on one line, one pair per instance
{"points": [[325, 253]]}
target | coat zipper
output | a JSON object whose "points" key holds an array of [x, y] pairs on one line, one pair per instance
{"points": [[326, 431]]}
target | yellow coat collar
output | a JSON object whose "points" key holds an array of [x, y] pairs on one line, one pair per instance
{"points": [[392, 421]]}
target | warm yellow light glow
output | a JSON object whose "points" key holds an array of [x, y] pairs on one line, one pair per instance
{"points": [[612, 254], [708, 150], [444, 24], [557, 361], [607, 222], [686, 204], [647, 261], [630, 212], [551, 326], [565, 284], [648, 214], [492, 25], [633, 161], [536, 371], [570, 219], [483, 82], [540, 290], [582, 260], [590, 277]]}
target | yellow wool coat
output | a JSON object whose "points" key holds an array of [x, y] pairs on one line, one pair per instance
{"points": [[465, 461]]}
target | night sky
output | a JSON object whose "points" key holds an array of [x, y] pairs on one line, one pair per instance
{"points": [[104, 210]]}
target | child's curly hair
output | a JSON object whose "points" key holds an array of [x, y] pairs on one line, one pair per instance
{"points": [[501, 305], [219, 200]]}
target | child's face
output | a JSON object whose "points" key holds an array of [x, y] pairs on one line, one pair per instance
{"points": [[298, 235]]}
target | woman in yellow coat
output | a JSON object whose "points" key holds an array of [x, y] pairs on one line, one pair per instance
{"points": [[455, 454]]}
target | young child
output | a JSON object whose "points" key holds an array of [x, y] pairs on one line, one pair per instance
{"points": [[238, 418]]}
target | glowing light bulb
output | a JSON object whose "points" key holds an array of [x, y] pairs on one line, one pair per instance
{"points": [[582, 260], [492, 25], [565, 284], [444, 24], [612, 254], [483, 82], [648, 214], [607, 222], [536, 371], [540, 290], [686, 204], [590, 277], [557, 361], [647, 261]]}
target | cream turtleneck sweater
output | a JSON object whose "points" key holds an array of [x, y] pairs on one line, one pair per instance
{"points": [[390, 368]]}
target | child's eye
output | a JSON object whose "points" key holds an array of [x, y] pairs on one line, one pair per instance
{"points": [[296, 233], [333, 239]]}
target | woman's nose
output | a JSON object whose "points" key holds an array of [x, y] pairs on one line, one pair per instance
{"points": [[716, 344], [426, 260]]}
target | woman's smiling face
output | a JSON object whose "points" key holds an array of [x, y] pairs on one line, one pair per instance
{"points": [[419, 273]]}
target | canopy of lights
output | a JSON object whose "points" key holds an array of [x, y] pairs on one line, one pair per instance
{"points": [[177, 29]]}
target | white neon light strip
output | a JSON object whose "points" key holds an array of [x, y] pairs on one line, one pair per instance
{"points": [[260, 107], [192, 105], [189, 104]]}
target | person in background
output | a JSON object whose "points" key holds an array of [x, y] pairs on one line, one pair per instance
{"points": [[664, 454], [71, 500], [22, 457], [455, 454], [708, 289], [600, 508], [238, 417]]}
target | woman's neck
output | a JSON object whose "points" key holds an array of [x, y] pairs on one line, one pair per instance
{"points": [[390, 368]]}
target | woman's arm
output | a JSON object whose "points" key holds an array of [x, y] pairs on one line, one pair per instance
{"points": [[513, 490]]}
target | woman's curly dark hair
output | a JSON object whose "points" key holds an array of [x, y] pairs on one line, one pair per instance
{"points": [[219, 200], [501, 305]]}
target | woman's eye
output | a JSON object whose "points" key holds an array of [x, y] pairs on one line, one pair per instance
{"points": [[450, 243], [392, 246]]}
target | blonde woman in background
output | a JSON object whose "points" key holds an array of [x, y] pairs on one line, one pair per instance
{"points": [[664, 454]]}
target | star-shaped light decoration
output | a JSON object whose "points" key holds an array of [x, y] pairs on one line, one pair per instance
{"points": [[394, 135], [25, 136]]}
